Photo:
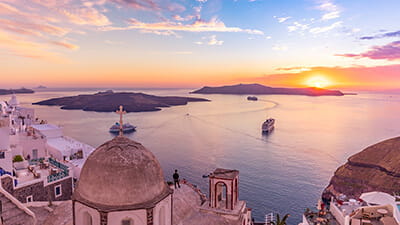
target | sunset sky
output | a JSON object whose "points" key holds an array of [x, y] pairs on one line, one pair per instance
{"points": [[176, 43]]}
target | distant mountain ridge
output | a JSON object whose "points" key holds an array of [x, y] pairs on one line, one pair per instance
{"points": [[16, 91], [254, 89]]}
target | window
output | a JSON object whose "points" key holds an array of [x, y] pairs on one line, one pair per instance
{"points": [[57, 191], [161, 218], [29, 198], [2, 154], [87, 219], [127, 222]]}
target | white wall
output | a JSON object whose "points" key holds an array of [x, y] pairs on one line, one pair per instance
{"points": [[5, 163], [166, 204], [337, 213], [55, 153], [28, 143], [4, 133], [80, 210], [139, 217]]}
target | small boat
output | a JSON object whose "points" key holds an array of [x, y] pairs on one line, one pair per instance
{"points": [[268, 125], [252, 98], [126, 128]]}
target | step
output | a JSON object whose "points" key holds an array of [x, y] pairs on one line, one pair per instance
{"points": [[22, 219], [12, 213], [8, 206]]}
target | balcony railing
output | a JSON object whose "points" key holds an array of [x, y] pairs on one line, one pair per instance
{"points": [[57, 164], [57, 176]]}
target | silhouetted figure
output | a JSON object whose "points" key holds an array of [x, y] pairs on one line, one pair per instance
{"points": [[176, 179]]}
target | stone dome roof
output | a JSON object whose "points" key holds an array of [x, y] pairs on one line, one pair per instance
{"points": [[121, 174]]}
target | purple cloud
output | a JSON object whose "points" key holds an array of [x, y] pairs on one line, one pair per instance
{"points": [[389, 51], [384, 35], [139, 4]]}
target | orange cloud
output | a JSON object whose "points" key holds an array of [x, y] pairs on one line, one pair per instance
{"points": [[378, 77], [15, 45], [85, 16], [214, 25], [65, 44]]}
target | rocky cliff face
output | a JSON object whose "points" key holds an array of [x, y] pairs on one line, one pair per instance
{"points": [[376, 168]]}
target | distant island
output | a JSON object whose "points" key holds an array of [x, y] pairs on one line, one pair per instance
{"points": [[258, 89], [16, 91], [109, 101]]}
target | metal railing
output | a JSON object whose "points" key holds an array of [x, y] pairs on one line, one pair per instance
{"points": [[57, 164], [36, 161], [59, 175]]}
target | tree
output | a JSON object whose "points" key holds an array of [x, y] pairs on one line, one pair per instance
{"points": [[280, 221], [18, 158]]}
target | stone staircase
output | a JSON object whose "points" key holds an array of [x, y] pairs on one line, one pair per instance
{"points": [[14, 212]]}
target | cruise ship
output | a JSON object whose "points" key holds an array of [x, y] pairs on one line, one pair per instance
{"points": [[268, 125], [126, 128]]}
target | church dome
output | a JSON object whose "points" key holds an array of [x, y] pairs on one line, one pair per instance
{"points": [[121, 174]]}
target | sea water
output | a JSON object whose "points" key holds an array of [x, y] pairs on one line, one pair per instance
{"points": [[283, 172]]}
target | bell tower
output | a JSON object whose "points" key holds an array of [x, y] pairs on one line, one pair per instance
{"points": [[223, 191]]}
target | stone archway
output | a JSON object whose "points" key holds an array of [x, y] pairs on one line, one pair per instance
{"points": [[221, 195]]}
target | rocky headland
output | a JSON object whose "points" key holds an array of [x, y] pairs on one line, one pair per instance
{"points": [[109, 101], [258, 89], [376, 168], [16, 91]]}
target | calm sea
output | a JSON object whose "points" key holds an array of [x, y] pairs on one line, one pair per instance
{"points": [[284, 172]]}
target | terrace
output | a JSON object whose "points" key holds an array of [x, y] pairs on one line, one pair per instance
{"points": [[41, 170], [319, 218]]}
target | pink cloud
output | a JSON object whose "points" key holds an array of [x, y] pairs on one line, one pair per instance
{"points": [[6, 9], [175, 7], [29, 28], [138, 4], [389, 51]]}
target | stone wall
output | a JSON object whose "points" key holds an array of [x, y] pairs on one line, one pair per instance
{"points": [[11, 214], [7, 184], [38, 191]]}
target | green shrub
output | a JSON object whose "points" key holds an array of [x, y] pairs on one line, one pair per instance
{"points": [[18, 158]]}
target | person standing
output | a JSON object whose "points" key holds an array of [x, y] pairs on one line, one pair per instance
{"points": [[176, 179]]}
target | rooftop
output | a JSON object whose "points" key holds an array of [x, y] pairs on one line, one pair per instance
{"points": [[224, 173], [68, 146], [45, 127]]}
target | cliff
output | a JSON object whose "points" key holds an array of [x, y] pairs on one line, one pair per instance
{"points": [[254, 89], [376, 168], [109, 101]]}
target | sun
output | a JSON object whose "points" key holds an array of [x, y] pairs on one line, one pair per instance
{"points": [[318, 82]]}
